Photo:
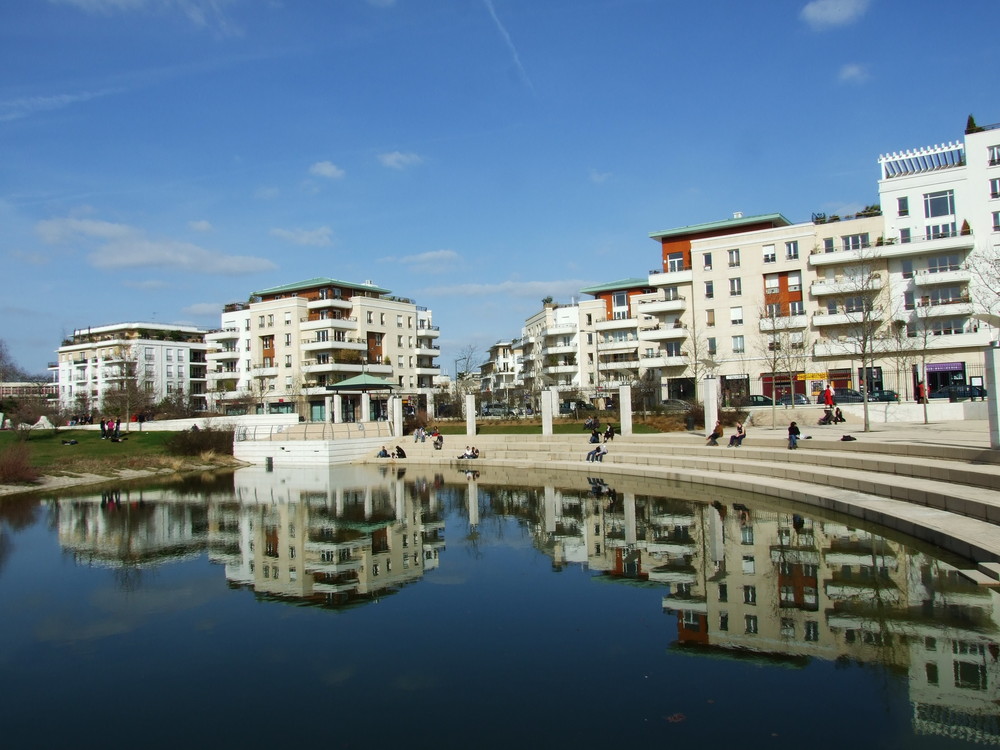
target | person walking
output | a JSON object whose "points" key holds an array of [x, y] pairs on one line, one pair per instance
{"points": [[793, 436]]}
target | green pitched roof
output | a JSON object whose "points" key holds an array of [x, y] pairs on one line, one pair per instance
{"points": [[362, 382], [317, 282], [775, 220], [616, 285]]}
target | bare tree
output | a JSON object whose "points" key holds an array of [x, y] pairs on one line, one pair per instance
{"points": [[130, 390]]}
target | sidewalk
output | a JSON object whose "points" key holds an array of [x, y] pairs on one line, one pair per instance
{"points": [[972, 433]]}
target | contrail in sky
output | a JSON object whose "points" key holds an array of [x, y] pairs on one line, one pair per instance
{"points": [[510, 44]]}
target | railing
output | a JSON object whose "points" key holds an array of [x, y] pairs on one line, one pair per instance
{"points": [[314, 431]]}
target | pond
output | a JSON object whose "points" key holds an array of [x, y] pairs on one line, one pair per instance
{"points": [[355, 606]]}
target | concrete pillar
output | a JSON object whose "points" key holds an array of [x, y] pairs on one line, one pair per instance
{"points": [[396, 415], [430, 407], [366, 407], [710, 394], [473, 504], [992, 385], [630, 529], [328, 408], [338, 409], [625, 409], [550, 510], [470, 414], [546, 404]]}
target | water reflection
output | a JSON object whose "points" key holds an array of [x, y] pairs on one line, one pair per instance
{"points": [[742, 577]]}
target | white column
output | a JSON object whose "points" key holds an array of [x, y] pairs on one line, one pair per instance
{"points": [[366, 407], [630, 530], [550, 509], [992, 385], [396, 415], [710, 394], [546, 404], [473, 504], [338, 409], [470, 414], [625, 408]]}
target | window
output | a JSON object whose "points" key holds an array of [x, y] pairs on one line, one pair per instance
{"points": [[792, 250], [170, 371], [994, 156], [796, 307], [932, 673], [370, 317], [711, 346], [734, 258], [672, 349], [708, 259], [941, 203], [169, 354], [260, 321], [270, 320], [749, 594], [902, 206], [855, 241], [812, 630], [709, 289], [738, 345], [787, 627], [940, 231], [772, 310], [723, 621], [996, 221], [749, 567], [995, 187], [904, 236], [736, 316], [670, 293], [723, 592], [710, 318], [399, 321], [735, 287], [769, 255], [942, 263], [288, 318], [288, 360], [772, 284], [751, 624], [288, 339], [675, 262], [828, 244]]}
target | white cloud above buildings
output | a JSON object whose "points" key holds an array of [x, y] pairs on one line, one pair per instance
{"points": [[827, 14], [852, 73], [319, 237], [123, 246], [561, 289], [200, 226], [399, 160], [202, 14], [433, 261], [327, 169]]}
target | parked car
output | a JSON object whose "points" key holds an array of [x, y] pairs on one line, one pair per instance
{"points": [[847, 396], [757, 400], [890, 396], [675, 404], [959, 392], [798, 399]]}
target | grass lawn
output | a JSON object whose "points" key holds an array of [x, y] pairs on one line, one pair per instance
{"points": [[49, 455]]}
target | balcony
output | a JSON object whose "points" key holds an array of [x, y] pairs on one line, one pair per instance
{"points": [[846, 285], [225, 334], [555, 369], [951, 276], [855, 317], [654, 306], [431, 331], [945, 308], [619, 345], [614, 324], [427, 370], [670, 278], [428, 351], [665, 361], [341, 324], [560, 349], [229, 352], [620, 364], [662, 332], [893, 249], [787, 323], [319, 304]]}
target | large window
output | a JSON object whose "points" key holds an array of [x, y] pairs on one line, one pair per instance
{"points": [[738, 345], [902, 206], [769, 254], [708, 261], [734, 258], [675, 262], [995, 187], [735, 287], [736, 316], [941, 203], [942, 263], [792, 250], [709, 289], [855, 241]]}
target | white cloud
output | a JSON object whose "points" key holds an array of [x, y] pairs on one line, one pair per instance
{"points": [[202, 13], [16, 109], [825, 14], [266, 193], [318, 237], [201, 225], [598, 177], [203, 309], [327, 169], [524, 289], [433, 261], [399, 160], [123, 246], [33, 259], [852, 73], [510, 44]]}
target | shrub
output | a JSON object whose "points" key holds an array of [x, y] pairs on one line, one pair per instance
{"points": [[15, 464], [196, 442]]}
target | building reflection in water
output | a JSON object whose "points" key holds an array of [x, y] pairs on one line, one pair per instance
{"points": [[743, 577]]}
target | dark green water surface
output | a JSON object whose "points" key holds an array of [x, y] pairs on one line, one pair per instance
{"points": [[361, 607]]}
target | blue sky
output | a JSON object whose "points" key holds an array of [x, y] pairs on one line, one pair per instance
{"points": [[159, 158]]}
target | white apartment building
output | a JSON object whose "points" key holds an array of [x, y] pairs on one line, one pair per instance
{"points": [[99, 363], [279, 352]]}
